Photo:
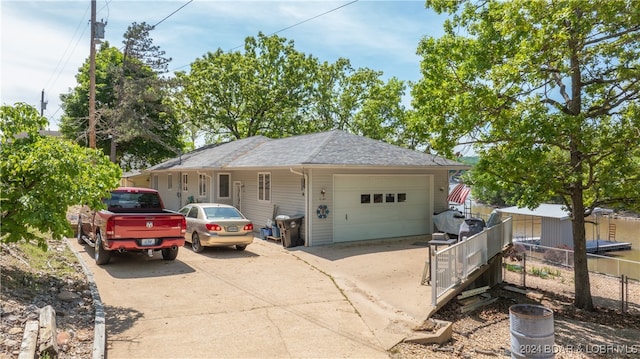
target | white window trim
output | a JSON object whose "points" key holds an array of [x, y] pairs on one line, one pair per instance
{"points": [[202, 181], [169, 182], [266, 174], [185, 182], [229, 185]]}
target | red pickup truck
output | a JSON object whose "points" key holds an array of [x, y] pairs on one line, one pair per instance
{"points": [[135, 220]]}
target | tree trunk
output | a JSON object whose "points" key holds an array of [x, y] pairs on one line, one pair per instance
{"points": [[112, 152], [582, 286]]}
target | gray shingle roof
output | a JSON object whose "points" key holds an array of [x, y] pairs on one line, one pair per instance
{"points": [[212, 156], [336, 148], [332, 148]]}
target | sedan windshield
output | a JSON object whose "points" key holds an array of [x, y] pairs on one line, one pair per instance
{"points": [[222, 212]]}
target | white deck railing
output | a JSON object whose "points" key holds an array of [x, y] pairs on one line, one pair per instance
{"points": [[453, 264]]}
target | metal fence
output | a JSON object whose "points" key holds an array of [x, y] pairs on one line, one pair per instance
{"points": [[453, 264], [614, 282]]}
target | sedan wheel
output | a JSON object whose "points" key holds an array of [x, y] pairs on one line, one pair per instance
{"points": [[195, 243], [241, 247]]}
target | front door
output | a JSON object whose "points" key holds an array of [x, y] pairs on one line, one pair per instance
{"points": [[237, 195]]}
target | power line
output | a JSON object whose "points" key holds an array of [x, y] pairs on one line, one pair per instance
{"points": [[291, 26], [55, 76], [307, 20], [315, 17], [57, 70], [168, 16]]}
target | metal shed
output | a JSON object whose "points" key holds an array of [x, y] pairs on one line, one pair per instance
{"points": [[555, 224]]}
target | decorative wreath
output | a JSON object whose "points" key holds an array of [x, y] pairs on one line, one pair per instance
{"points": [[322, 211]]}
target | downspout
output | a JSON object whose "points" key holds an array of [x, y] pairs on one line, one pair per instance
{"points": [[307, 222]]}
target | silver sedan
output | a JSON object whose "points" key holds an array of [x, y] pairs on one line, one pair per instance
{"points": [[214, 224]]}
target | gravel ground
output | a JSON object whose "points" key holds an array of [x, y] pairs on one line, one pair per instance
{"points": [[485, 332], [26, 287]]}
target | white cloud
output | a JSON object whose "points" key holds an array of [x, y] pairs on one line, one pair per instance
{"points": [[45, 42]]}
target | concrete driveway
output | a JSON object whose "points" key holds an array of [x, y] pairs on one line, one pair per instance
{"points": [[349, 301]]}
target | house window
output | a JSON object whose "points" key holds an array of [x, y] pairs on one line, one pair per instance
{"points": [[169, 182], [402, 197], [391, 197], [224, 185], [185, 187], [365, 198], [377, 198], [154, 182], [202, 185], [264, 186]]}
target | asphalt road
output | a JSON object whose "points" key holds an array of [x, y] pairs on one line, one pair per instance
{"points": [[264, 302]]}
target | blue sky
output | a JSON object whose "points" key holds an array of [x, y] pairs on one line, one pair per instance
{"points": [[45, 42]]}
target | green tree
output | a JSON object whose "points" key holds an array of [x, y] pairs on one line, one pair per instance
{"points": [[74, 123], [236, 95], [548, 94], [355, 100], [136, 124], [274, 90], [43, 176]]}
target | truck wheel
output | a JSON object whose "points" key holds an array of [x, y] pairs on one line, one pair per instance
{"points": [[169, 253], [195, 243], [102, 256], [79, 233]]}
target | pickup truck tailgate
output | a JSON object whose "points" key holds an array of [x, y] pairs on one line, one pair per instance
{"points": [[147, 226]]}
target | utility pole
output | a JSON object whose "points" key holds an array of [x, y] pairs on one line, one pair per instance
{"points": [[43, 103], [92, 79]]}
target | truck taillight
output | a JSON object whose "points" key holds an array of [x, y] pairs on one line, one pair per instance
{"points": [[213, 227], [111, 226], [248, 227], [184, 225]]}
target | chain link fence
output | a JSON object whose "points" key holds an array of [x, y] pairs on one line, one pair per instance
{"points": [[615, 283]]}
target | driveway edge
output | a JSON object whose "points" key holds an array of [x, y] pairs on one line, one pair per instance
{"points": [[99, 332]]}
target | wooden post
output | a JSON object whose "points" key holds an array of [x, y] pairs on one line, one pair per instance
{"points": [[92, 79], [48, 336], [624, 293], [524, 269], [29, 340]]}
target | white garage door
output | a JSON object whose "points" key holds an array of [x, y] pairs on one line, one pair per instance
{"points": [[381, 206]]}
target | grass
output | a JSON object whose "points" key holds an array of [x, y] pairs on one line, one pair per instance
{"points": [[51, 261], [542, 272], [27, 266], [545, 272]]}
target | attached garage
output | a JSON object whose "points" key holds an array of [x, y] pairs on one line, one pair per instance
{"points": [[381, 206], [348, 187]]}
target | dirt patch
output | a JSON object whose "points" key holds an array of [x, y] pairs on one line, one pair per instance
{"points": [[485, 332], [32, 279]]}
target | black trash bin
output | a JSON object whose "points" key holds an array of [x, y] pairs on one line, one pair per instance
{"points": [[290, 230], [471, 226]]}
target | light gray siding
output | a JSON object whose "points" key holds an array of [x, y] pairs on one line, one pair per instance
{"points": [[441, 190], [556, 232], [286, 194], [322, 228]]}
